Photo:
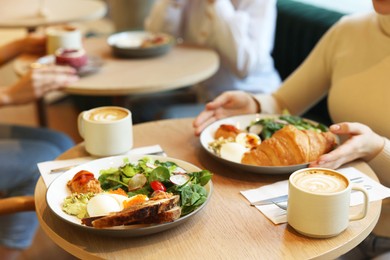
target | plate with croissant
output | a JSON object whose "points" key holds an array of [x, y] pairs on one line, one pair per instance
{"points": [[267, 144]]}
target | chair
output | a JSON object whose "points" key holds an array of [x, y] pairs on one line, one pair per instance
{"points": [[16, 204]]}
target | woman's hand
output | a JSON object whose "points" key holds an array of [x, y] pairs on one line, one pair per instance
{"points": [[227, 104], [35, 44], [362, 143], [38, 82]]}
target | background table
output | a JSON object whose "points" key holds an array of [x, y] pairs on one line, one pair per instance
{"points": [[181, 67], [227, 228], [24, 13]]}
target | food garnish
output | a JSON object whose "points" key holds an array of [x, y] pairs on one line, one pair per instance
{"points": [[154, 39], [235, 144], [134, 186]]}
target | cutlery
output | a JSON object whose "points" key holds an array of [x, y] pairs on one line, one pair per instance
{"points": [[284, 207], [273, 200], [63, 169]]}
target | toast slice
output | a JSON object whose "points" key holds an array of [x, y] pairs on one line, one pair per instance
{"points": [[163, 217], [138, 213]]}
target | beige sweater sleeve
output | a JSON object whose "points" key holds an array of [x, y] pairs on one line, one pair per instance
{"points": [[308, 84]]}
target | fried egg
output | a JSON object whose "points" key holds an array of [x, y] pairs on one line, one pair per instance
{"points": [[103, 204], [233, 151], [248, 140]]}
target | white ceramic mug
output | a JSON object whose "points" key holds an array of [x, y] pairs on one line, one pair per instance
{"points": [[106, 131], [63, 36], [319, 202]]}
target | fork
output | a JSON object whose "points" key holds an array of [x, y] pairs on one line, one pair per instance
{"points": [[274, 200]]}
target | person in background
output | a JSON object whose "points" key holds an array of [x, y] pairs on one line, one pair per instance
{"points": [[21, 148], [240, 31], [351, 64]]}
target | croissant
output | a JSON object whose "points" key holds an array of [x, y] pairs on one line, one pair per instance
{"points": [[289, 146]]}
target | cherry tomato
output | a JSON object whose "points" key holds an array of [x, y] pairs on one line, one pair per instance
{"points": [[83, 177], [157, 185]]}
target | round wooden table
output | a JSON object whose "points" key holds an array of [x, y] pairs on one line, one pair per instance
{"points": [[25, 13], [182, 66], [227, 228]]}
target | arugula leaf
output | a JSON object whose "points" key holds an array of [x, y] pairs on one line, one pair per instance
{"points": [[159, 174], [271, 125], [192, 196], [201, 177], [192, 193]]}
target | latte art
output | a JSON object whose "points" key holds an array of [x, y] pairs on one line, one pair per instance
{"points": [[106, 115], [320, 182]]}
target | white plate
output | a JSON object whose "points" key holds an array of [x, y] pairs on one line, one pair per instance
{"points": [[58, 191], [241, 122]]}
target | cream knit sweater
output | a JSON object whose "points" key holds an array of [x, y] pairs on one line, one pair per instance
{"points": [[351, 64]]}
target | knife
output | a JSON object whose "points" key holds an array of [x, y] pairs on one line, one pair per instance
{"points": [[270, 201]]}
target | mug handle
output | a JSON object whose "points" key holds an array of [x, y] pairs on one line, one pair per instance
{"points": [[363, 213], [80, 124]]}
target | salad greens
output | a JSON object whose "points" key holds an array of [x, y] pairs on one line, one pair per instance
{"points": [[192, 192], [271, 125]]}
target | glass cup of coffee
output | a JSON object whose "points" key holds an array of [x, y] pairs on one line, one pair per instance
{"points": [[106, 130], [319, 202]]}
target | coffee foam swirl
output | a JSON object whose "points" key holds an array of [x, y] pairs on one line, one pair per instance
{"points": [[107, 115], [320, 182]]}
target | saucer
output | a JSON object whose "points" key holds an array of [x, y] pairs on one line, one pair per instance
{"points": [[94, 63]]}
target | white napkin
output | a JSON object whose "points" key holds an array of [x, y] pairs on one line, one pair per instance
{"points": [[376, 191], [46, 167]]}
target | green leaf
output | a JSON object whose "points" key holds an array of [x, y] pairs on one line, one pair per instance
{"points": [[128, 170], [159, 174]]}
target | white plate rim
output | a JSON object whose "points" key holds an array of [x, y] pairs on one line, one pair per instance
{"points": [[57, 191], [137, 34]]}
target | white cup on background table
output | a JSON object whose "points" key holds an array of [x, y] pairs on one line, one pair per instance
{"points": [[63, 36], [106, 131], [319, 202]]}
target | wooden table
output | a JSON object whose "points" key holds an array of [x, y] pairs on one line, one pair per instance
{"points": [[227, 228], [181, 67], [24, 13]]}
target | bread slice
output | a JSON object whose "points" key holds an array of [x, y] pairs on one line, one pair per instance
{"points": [[138, 213], [166, 216]]}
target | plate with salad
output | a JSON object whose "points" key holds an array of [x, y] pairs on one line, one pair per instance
{"points": [[253, 129], [108, 187]]}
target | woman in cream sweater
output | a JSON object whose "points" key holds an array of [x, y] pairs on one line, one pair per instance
{"points": [[351, 64]]}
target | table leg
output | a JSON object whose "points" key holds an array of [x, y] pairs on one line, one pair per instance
{"points": [[41, 110], [40, 103], [120, 101]]}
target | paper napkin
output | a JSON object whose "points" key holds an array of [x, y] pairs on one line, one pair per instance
{"points": [[46, 167], [376, 191]]}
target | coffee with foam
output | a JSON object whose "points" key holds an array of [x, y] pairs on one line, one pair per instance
{"points": [[106, 131], [106, 114], [319, 202], [320, 181]]}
